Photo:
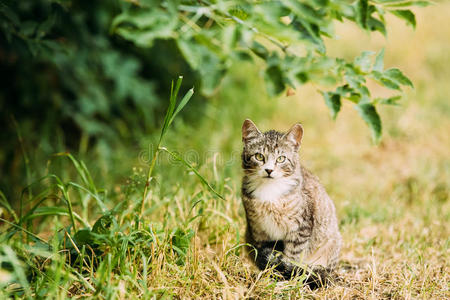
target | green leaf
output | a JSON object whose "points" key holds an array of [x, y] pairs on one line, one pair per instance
{"points": [[181, 241], [408, 3], [362, 12], [397, 76], [370, 115], [344, 91], [260, 50], [84, 237], [356, 81], [305, 12], [205, 61], [364, 61], [28, 28], [242, 55], [376, 25], [392, 78], [274, 80], [143, 26], [388, 101], [310, 32], [333, 101], [9, 14], [406, 15], [46, 26], [103, 224], [379, 62], [239, 12], [302, 77], [390, 84]]}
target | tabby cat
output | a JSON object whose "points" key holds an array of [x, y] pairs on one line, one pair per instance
{"points": [[291, 220]]}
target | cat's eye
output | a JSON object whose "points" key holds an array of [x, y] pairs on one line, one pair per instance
{"points": [[259, 156], [281, 159]]}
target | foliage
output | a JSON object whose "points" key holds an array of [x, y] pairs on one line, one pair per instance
{"points": [[118, 235], [288, 36], [60, 56], [68, 84], [83, 74]]}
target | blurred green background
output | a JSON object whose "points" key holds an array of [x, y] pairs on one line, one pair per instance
{"points": [[69, 84]]}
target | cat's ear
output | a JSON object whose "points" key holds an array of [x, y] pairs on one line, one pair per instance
{"points": [[249, 130], [294, 135]]}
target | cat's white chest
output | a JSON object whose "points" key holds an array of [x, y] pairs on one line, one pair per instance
{"points": [[269, 195], [271, 190]]}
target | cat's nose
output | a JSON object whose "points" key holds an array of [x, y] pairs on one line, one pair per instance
{"points": [[269, 171]]}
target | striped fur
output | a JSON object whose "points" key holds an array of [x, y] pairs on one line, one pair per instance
{"points": [[291, 220]]}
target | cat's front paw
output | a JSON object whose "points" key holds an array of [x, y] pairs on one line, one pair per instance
{"points": [[274, 258], [267, 257]]}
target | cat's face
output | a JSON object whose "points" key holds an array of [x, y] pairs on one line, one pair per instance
{"points": [[270, 155]]}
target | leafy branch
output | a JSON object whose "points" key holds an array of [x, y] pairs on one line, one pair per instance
{"points": [[213, 35]]}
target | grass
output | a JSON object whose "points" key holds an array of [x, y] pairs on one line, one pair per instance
{"points": [[392, 199]]}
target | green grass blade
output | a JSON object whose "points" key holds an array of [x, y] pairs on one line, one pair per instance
{"points": [[167, 120], [190, 167], [81, 170], [24, 230], [76, 165], [41, 197], [39, 181], [18, 269], [5, 203], [182, 104], [88, 176], [69, 206], [95, 196], [44, 195], [53, 211], [170, 109]]}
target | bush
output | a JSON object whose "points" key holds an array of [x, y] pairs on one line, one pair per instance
{"points": [[68, 83], [80, 72], [287, 36]]}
